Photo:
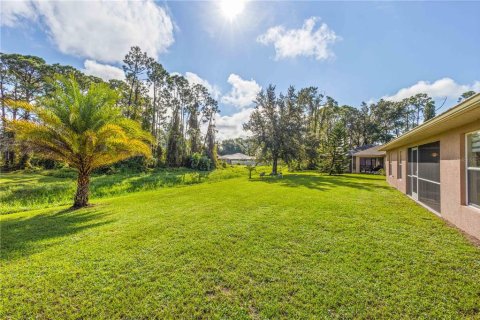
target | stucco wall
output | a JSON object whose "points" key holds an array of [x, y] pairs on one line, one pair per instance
{"points": [[452, 177]]}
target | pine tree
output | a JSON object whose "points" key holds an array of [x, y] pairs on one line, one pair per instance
{"points": [[429, 110], [334, 151]]}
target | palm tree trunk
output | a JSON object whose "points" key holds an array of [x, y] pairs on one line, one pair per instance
{"points": [[81, 197]]}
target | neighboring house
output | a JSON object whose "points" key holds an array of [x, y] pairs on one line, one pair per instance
{"points": [[351, 165], [438, 165], [238, 158], [367, 160]]}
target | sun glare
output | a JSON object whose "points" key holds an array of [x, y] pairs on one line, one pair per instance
{"points": [[231, 8]]}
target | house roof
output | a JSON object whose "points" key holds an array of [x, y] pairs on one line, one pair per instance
{"points": [[236, 156], [360, 148], [370, 152], [465, 112]]}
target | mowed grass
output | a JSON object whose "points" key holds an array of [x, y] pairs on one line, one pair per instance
{"points": [[305, 246]]}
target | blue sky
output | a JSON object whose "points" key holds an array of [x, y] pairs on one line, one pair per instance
{"points": [[352, 51]]}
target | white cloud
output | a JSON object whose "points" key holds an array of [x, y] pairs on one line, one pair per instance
{"points": [[99, 30], [104, 71], [194, 78], [12, 12], [445, 87], [232, 126], [243, 92], [306, 41]]}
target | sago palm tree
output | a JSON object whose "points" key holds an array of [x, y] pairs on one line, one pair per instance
{"points": [[85, 129]]}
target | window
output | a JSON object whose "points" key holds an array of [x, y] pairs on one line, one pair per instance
{"points": [[399, 165], [473, 168]]}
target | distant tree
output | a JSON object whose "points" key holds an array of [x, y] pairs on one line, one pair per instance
{"points": [[334, 151], [82, 79], [237, 145], [367, 128], [85, 129], [466, 95], [419, 101], [265, 125], [350, 117], [210, 142], [293, 127], [176, 145], [25, 77], [157, 76], [135, 65], [310, 100], [200, 97], [429, 110], [383, 118], [276, 127]]}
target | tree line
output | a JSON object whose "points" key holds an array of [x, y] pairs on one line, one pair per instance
{"points": [[179, 115], [302, 128], [308, 130]]}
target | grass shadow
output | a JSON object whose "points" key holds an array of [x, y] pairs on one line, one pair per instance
{"points": [[323, 182], [22, 236]]}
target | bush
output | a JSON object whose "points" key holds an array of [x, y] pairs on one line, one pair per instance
{"points": [[200, 162], [45, 163], [134, 164]]}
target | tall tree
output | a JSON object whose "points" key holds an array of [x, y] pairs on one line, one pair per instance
{"points": [[275, 127], [27, 82], [157, 76], [429, 110], [200, 99], [293, 127], [135, 65], [176, 146], [311, 102], [334, 150], [211, 146], [82, 128]]}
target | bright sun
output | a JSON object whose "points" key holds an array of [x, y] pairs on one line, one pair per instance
{"points": [[231, 8]]}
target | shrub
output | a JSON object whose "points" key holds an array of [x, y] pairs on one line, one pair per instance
{"points": [[200, 162]]}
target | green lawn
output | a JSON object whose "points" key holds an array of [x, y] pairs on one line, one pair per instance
{"points": [[305, 246], [20, 191]]}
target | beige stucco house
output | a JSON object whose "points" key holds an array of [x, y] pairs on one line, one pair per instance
{"points": [[368, 160], [438, 165]]}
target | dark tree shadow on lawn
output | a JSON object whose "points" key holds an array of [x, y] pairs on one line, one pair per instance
{"points": [[323, 182], [23, 236]]}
